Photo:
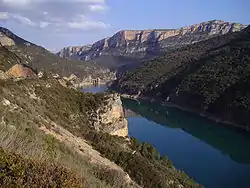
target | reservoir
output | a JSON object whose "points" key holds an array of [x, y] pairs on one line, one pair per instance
{"points": [[214, 155]]}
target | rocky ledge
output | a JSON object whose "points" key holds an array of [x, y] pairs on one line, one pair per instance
{"points": [[110, 117]]}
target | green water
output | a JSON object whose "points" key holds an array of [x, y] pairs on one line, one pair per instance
{"points": [[214, 155]]}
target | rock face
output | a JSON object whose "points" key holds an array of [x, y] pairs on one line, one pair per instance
{"points": [[5, 41], [20, 71], [141, 43], [73, 51], [110, 118]]}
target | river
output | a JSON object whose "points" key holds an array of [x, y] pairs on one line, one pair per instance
{"points": [[216, 156]]}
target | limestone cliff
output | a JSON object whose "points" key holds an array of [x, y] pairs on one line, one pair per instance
{"points": [[73, 51], [110, 117], [141, 43]]}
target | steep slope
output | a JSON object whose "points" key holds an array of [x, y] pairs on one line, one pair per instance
{"points": [[42, 60], [11, 66], [211, 76], [73, 132], [40, 118], [7, 58], [17, 171], [148, 43]]}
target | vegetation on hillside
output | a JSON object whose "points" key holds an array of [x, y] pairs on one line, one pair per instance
{"points": [[7, 59], [212, 75], [30, 107], [16, 171], [41, 59], [138, 165], [33, 103]]}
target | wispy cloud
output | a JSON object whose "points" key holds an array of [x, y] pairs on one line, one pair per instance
{"points": [[23, 20], [44, 24], [58, 15], [16, 17], [4, 15], [98, 8], [81, 22]]}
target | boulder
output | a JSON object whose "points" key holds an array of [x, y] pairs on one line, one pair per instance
{"points": [[20, 71]]}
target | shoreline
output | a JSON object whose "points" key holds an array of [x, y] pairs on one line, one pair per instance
{"points": [[206, 115]]}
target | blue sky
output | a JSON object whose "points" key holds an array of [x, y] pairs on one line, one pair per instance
{"points": [[58, 23]]}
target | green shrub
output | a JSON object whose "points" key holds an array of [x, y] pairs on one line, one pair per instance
{"points": [[16, 171]]}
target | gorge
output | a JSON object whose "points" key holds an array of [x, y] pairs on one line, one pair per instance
{"points": [[202, 148], [55, 116]]}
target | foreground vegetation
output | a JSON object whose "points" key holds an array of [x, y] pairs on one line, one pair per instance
{"points": [[211, 76], [35, 117], [35, 103], [15, 171]]}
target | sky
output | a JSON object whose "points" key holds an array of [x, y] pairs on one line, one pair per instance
{"points": [[55, 24]]}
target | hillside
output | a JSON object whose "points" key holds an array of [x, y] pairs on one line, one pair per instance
{"points": [[7, 59], [47, 127], [41, 59], [141, 44], [17, 171], [210, 76]]}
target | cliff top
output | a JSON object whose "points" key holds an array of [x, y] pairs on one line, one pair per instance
{"points": [[149, 42]]}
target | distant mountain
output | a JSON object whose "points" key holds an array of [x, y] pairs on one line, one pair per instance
{"points": [[41, 59], [210, 76], [139, 44]]}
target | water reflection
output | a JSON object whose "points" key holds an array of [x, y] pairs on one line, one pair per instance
{"points": [[230, 142]]}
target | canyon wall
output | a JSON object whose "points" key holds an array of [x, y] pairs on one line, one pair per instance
{"points": [[141, 43], [110, 117]]}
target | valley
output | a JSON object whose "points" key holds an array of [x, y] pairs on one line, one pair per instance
{"points": [[143, 108], [190, 141], [208, 77]]}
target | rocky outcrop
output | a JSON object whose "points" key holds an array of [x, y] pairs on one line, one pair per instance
{"points": [[141, 43], [20, 71], [73, 51], [110, 117], [6, 41]]}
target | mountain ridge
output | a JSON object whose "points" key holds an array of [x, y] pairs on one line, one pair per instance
{"points": [[42, 60], [149, 43]]}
